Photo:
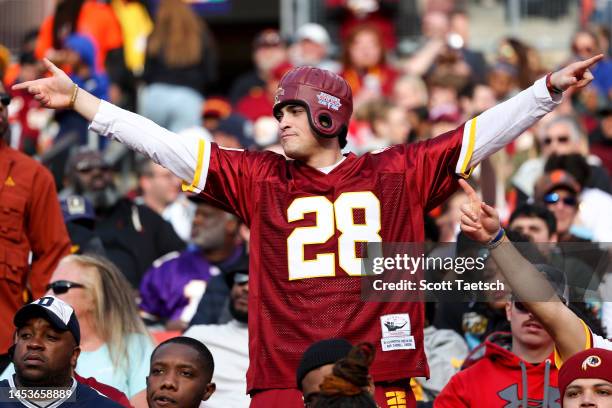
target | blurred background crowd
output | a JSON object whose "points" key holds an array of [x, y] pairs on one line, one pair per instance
{"points": [[417, 68]]}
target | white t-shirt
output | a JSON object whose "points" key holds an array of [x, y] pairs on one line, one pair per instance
{"points": [[229, 344]]}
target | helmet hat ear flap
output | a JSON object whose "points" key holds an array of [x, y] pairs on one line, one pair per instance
{"points": [[325, 120]]}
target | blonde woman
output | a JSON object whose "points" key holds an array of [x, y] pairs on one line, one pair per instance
{"points": [[180, 63], [115, 345]]}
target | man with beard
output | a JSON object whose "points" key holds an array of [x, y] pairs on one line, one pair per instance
{"points": [[30, 222], [45, 351], [171, 290], [133, 235], [230, 342]]}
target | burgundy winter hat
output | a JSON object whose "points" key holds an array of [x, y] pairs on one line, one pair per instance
{"points": [[590, 363]]}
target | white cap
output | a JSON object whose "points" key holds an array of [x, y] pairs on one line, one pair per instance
{"points": [[313, 32]]}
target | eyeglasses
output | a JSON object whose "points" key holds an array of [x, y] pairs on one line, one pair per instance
{"points": [[5, 99], [560, 139], [554, 198], [87, 167], [62, 286], [587, 50]]}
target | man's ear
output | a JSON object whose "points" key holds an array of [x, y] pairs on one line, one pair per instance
{"points": [[76, 352], [508, 310], [210, 390]]}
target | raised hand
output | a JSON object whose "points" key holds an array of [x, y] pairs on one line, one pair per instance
{"points": [[479, 221], [52, 92], [575, 75]]}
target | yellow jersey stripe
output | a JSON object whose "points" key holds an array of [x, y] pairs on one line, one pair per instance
{"points": [[198, 170], [470, 148], [587, 345]]}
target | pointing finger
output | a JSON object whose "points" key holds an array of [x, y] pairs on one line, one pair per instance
{"points": [[471, 193], [22, 85], [593, 60]]}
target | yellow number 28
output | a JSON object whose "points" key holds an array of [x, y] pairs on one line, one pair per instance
{"points": [[329, 217]]}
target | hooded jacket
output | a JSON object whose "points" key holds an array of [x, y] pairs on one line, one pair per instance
{"points": [[496, 378]]}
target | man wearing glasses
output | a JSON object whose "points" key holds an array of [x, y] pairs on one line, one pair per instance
{"points": [[31, 222], [514, 369], [558, 191]]}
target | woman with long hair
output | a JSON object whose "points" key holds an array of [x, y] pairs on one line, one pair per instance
{"points": [[364, 64], [180, 63], [115, 345]]}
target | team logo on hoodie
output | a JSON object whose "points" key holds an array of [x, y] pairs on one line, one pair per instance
{"points": [[591, 361]]}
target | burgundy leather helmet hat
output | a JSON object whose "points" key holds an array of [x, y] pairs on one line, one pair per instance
{"points": [[326, 96]]}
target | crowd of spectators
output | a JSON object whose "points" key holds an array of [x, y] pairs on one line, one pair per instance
{"points": [[140, 260]]}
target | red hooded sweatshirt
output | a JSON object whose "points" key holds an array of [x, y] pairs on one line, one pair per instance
{"points": [[496, 378]]}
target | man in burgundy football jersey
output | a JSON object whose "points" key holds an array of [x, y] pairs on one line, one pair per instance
{"points": [[307, 214]]}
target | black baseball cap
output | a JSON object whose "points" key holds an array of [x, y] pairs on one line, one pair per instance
{"points": [[321, 353], [238, 272]]}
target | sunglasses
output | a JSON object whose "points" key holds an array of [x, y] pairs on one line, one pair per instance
{"points": [[5, 99], [561, 139], [89, 167], [62, 286], [554, 198], [520, 306]]}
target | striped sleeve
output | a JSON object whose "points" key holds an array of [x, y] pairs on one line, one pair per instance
{"points": [[589, 344], [496, 127], [186, 154]]}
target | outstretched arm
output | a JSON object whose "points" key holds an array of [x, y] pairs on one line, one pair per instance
{"points": [[480, 222], [56, 92], [182, 155], [498, 126]]}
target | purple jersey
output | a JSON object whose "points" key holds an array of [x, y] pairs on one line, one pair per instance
{"points": [[172, 288]]}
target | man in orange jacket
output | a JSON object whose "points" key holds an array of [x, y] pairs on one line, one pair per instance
{"points": [[30, 222]]}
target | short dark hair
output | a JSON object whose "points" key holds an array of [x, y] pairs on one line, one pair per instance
{"points": [[144, 168], [206, 358], [536, 211], [469, 89], [575, 164]]}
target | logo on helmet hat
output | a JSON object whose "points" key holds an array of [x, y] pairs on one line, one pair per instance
{"points": [[328, 100], [591, 361]]}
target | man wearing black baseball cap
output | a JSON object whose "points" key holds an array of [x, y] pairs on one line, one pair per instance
{"points": [[45, 350]]}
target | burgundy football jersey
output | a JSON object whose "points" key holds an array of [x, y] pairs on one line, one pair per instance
{"points": [[304, 274]]}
